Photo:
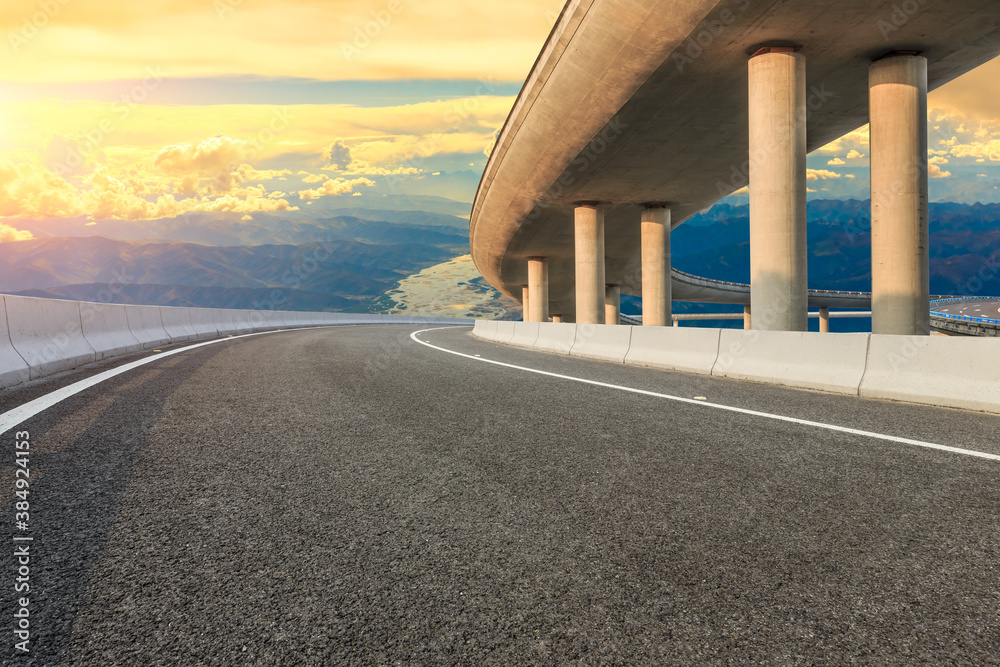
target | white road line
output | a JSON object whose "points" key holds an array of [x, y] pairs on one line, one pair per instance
{"points": [[21, 414], [717, 406]]}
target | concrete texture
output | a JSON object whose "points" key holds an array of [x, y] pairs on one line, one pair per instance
{"points": [[777, 116], [607, 342], [900, 240], [589, 254], [48, 334], [146, 324], [556, 337], [13, 369], [106, 328], [656, 283], [631, 103], [678, 349], [525, 334], [956, 372], [809, 360], [538, 285], [612, 304], [177, 323]]}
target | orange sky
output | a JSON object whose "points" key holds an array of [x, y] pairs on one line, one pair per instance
{"points": [[140, 110]]}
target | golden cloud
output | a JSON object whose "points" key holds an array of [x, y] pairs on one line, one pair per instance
{"points": [[817, 174], [337, 186], [9, 234]]}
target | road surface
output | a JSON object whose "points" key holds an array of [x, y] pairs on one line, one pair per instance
{"points": [[351, 496]]}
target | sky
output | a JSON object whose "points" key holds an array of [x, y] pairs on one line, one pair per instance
{"points": [[115, 109]]}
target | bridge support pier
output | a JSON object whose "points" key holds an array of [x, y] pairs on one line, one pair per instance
{"points": [[778, 278], [538, 289], [824, 320], [612, 304], [656, 284], [900, 246], [746, 318], [589, 242], [557, 319], [525, 304]]}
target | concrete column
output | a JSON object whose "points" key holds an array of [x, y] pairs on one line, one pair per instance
{"points": [[824, 320], [525, 305], [557, 319], [677, 323], [656, 284], [778, 278], [538, 288], [589, 232], [746, 318], [612, 304], [900, 247]]}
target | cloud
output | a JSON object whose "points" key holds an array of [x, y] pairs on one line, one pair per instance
{"points": [[9, 234], [339, 156], [335, 187], [816, 174], [30, 192], [934, 171], [854, 155], [836, 162]]}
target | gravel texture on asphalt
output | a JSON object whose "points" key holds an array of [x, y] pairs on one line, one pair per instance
{"points": [[348, 496]]}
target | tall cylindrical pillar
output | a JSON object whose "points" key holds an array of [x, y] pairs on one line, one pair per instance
{"points": [[656, 285], [538, 288], [746, 318], [900, 246], [589, 235], [525, 305], [612, 304], [778, 278]]}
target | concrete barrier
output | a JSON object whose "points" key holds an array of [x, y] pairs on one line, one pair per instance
{"points": [[504, 332], [13, 369], [607, 342], [48, 334], [485, 329], [954, 372], [177, 323], [525, 334], [225, 321], [692, 350], [554, 337], [203, 322], [146, 325], [832, 362], [105, 326]]}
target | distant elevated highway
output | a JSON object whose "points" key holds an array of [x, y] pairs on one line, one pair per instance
{"points": [[642, 113]]}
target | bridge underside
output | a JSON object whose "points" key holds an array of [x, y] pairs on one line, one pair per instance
{"points": [[632, 103]]}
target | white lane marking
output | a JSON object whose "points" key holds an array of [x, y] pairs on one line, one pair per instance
{"points": [[718, 406], [21, 414]]}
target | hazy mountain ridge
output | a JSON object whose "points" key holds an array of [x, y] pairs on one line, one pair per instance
{"points": [[716, 244]]}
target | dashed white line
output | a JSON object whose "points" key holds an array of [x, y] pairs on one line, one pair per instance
{"points": [[719, 406]]}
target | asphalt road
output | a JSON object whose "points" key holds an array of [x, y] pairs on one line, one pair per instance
{"points": [[349, 496], [980, 308]]}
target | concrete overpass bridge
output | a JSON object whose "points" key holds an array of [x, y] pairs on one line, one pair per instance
{"points": [[637, 115]]}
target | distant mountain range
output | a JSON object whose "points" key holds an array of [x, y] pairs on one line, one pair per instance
{"points": [[359, 258], [716, 244], [333, 264]]}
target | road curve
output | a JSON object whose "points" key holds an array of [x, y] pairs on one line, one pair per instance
{"points": [[349, 496]]}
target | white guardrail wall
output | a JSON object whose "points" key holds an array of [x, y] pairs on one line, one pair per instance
{"points": [[956, 372], [39, 337]]}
